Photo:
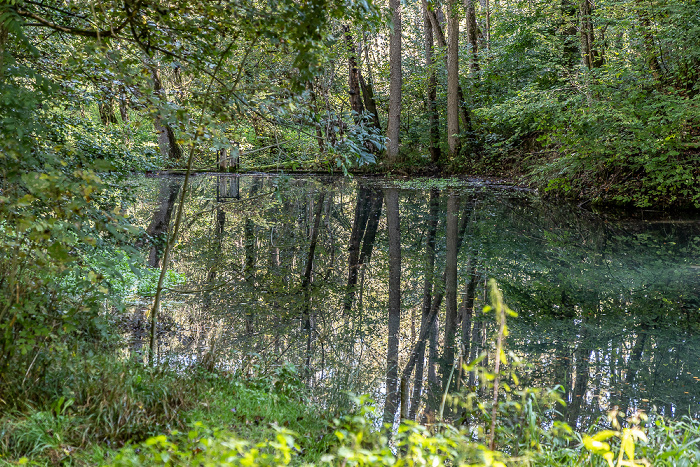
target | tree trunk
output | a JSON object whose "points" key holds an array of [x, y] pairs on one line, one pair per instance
{"points": [[353, 77], [453, 98], [392, 150], [316, 114], [106, 107], [370, 102], [364, 230], [442, 43], [167, 143], [3, 41], [123, 106], [359, 225], [394, 305], [368, 88], [591, 58], [472, 35], [432, 88], [218, 246]]}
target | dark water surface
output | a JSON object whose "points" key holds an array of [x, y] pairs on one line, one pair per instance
{"points": [[607, 309]]}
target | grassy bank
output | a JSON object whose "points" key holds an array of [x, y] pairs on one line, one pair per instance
{"points": [[105, 412]]}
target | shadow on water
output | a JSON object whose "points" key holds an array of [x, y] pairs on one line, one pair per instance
{"points": [[299, 270]]}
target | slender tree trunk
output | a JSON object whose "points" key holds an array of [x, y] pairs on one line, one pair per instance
{"points": [[106, 106], [250, 247], [427, 299], [368, 210], [393, 124], [442, 43], [353, 76], [368, 88], [453, 98], [375, 213], [123, 107], [633, 367], [472, 35], [394, 305], [3, 41], [432, 87], [167, 143], [370, 102], [591, 58], [433, 389], [316, 115]]}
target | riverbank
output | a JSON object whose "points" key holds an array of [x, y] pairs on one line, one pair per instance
{"points": [[112, 412]]}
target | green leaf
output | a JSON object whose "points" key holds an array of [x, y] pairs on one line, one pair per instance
{"points": [[58, 252]]}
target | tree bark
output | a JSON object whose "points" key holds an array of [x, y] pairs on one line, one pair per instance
{"points": [[370, 102], [213, 269], [453, 98], [393, 124], [591, 58], [353, 76], [467, 311], [442, 43], [472, 35], [359, 225], [368, 210], [3, 41], [167, 143], [432, 88], [123, 106], [391, 197], [105, 106]]}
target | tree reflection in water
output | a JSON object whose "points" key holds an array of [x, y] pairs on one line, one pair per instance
{"points": [[298, 270]]}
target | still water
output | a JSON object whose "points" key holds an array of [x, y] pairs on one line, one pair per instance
{"points": [[276, 270]]}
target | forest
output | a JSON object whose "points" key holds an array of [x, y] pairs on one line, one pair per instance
{"points": [[350, 232]]}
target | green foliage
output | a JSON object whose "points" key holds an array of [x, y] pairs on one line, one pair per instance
{"points": [[96, 399], [202, 446]]}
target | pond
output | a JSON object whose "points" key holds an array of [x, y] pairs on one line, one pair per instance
{"points": [[295, 270]]}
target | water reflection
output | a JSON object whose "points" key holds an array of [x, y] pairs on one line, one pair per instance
{"points": [[309, 271]]}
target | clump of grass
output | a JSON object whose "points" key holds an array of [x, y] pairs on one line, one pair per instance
{"points": [[257, 408], [97, 400], [87, 409]]}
